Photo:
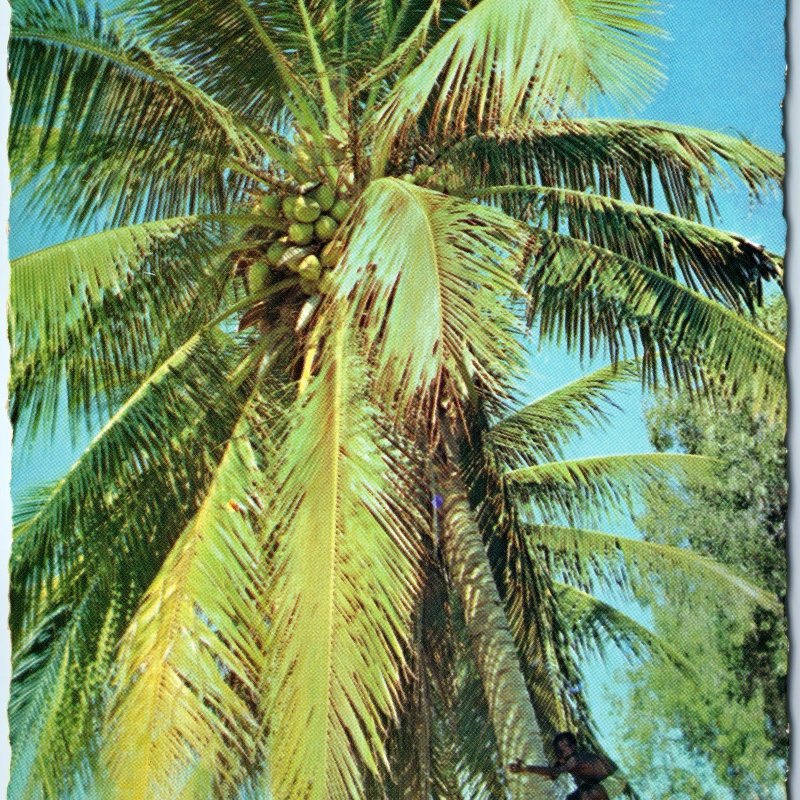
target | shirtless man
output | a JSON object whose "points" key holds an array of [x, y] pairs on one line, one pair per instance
{"points": [[588, 769]]}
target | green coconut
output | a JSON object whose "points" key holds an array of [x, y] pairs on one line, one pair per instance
{"points": [[288, 205], [325, 228], [293, 256], [341, 208], [310, 268], [270, 205], [275, 253], [325, 196], [306, 209], [301, 232], [331, 254], [258, 275]]}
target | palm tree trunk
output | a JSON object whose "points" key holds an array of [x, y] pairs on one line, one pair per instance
{"points": [[516, 728]]}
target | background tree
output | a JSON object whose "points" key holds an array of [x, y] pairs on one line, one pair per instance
{"points": [[738, 719]]}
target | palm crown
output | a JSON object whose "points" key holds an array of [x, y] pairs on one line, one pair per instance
{"points": [[316, 541]]}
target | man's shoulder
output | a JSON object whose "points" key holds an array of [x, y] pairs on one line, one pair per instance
{"points": [[588, 757]]}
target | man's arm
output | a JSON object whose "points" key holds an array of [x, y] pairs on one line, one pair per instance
{"points": [[536, 769]]}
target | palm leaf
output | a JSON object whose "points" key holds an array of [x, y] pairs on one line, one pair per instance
{"points": [[553, 673], [423, 749], [585, 555], [52, 700], [454, 271], [594, 625], [592, 294], [129, 121], [539, 430], [524, 583], [726, 267], [94, 600], [145, 431], [641, 160], [343, 581], [584, 485], [94, 312], [445, 746], [480, 764], [500, 64], [251, 55], [176, 706]]}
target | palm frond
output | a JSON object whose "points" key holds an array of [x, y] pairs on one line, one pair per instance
{"points": [[53, 700], [423, 747], [724, 266], [343, 582], [585, 556], [590, 294], [445, 746], [132, 123], [539, 430], [251, 55], [581, 486], [552, 669], [92, 601], [420, 759], [93, 313], [500, 64], [413, 254], [515, 725], [189, 663], [524, 585], [594, 625], [642, 160], [145, 431]]}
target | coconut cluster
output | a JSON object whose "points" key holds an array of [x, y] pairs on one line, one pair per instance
{"points": [[305, 220]]}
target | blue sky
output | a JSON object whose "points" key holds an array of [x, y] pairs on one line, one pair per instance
{"points": [[724, 63]]}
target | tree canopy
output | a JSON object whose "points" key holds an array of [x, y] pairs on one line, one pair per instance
{"points": [[317, 534]]}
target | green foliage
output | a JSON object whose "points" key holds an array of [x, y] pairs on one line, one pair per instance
{"points": [[84, 85], [457, 273], [343, 583], [739, 520], [316, 542], [76, 313], [557, 56]]}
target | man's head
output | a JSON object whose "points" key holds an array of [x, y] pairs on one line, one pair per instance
{"points": [[565, 744]]}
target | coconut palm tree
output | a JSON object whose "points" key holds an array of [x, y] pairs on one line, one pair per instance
{"points": [[317, 541]]}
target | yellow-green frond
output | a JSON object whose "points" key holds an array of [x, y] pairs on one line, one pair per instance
{"points": [[538, 431], [93, 313], [415, 255], [502, 63], [86, 83], [586, 555], [343, 583], [642, 160], [190, 662], [590, 295], [585, 485], [594, 625]]}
